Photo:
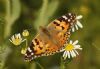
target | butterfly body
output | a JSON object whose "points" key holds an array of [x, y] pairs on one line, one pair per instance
{"points": [[51, 39]]}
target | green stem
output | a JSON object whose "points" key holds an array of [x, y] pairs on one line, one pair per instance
{"points": [[39, 65], [62, 66], [26, 43]]}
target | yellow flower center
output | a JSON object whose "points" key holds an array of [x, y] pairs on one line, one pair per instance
{"points": [[69, 47], [17, 41]]}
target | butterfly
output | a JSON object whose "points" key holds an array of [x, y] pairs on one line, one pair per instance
{"points": [[51, 39]]}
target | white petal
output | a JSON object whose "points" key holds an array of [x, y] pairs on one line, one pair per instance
{"points": [[76, 52], [77, 46], [70, 41], [79, 24], [76, 27], [64, 54], [68, 54], [10, 40], [18, 35], [13, 38], [75, 42], [73, 53], [73, 29], [80, 48], [79, 17]]}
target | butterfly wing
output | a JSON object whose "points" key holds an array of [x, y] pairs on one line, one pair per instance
{"points": [[52, 38]]}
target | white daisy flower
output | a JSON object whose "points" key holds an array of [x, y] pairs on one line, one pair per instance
{"points": [[77, 24], [16, 39], [70, 49]]}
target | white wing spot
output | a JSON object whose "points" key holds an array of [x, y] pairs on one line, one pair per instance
{"points": [[32, 53], [69, 14], [29, 50], [25, 54], [69, 20], [65, 17]]}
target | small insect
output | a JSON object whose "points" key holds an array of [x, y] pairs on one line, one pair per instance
{"points": [[51, 39]]}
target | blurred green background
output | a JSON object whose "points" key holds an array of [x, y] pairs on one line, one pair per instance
{"points": [[17, 15]]}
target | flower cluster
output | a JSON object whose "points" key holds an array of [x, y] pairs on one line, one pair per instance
{"points": [[17, 39], [70, 49]]}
